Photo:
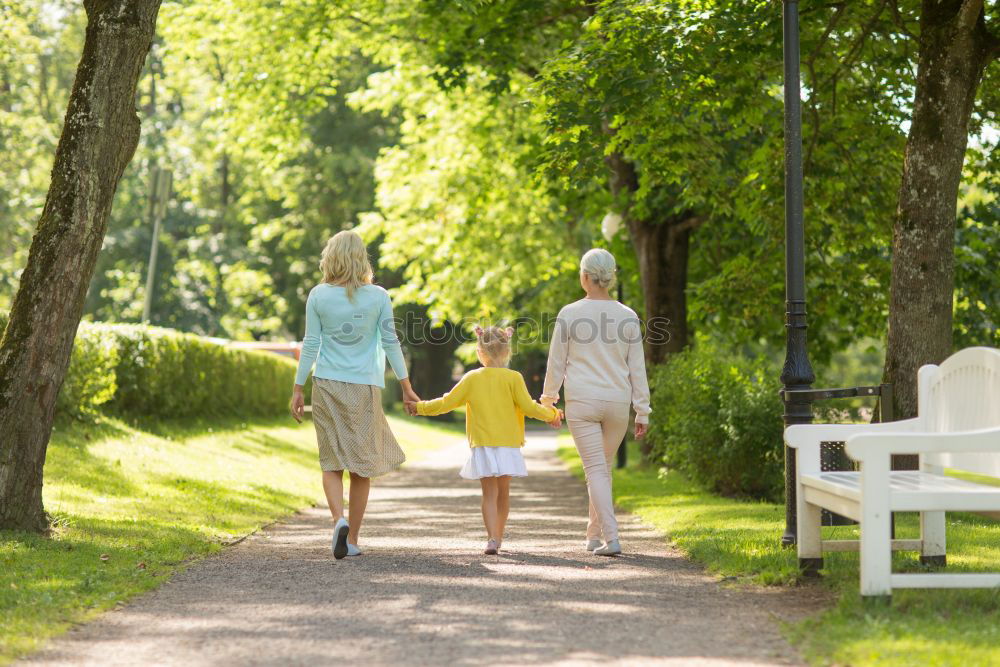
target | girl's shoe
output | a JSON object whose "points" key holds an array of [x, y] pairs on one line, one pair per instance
{"points": [[612, 548], [593, 544], [491, 548], [353, 550], [340, 530]]}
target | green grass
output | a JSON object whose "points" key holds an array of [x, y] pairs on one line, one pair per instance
{"points": [[733, 538], [132, 506]]}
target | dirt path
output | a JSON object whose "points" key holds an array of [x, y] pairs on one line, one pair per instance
{"points": [[424, 594]]}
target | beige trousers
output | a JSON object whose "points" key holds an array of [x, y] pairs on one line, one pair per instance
{"points": [[598, 428]]}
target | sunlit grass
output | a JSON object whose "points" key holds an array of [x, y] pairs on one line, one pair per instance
{"points": [[740, 539], [132, 506]]}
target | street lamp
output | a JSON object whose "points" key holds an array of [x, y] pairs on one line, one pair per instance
{"points": [[160, 181], [610, 225], [797, 373]]}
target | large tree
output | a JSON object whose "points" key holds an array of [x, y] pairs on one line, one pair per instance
{"points": [[100, 133], [956, 44], [682, 102]]}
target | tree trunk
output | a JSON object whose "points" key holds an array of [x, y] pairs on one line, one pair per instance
{"points": [[662, 250], [661, 246], [955, 48], [100, 133]]}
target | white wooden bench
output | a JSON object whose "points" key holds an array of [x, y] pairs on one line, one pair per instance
{"points": [[958, 420]]}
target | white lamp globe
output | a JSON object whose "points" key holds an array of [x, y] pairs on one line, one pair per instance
{"points": [[610, 225]]}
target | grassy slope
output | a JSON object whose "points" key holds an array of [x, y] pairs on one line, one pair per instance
{"points": [[741, 539], [132, 506]]}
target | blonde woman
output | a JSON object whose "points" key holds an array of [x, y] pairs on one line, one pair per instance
{"points": [[596, 353], [349, 334]]}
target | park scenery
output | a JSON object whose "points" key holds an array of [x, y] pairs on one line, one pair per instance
{"points": [[245, 245]]}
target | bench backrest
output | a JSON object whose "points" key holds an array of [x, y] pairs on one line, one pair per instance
{"points": [[963, 394]]}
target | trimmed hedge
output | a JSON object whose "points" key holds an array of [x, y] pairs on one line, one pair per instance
{"points": [[718, 421], [163, 373], [139, 371], [91, 378]]}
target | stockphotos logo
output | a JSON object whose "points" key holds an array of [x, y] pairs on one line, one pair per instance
{"points": [[415, 329]]}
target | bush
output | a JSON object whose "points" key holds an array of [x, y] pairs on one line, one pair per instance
{"points": [[717, 419], [139, 371], [163, 373], [90, 379]]}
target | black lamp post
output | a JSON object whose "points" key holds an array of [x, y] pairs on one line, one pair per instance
{"points": [[797, 373]]}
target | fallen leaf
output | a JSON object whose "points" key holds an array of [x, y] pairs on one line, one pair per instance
{"points": [[105, 557]]}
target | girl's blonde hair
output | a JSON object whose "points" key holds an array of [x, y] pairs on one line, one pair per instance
{"points": [[345, 262], [600, 265], [494, 343]]}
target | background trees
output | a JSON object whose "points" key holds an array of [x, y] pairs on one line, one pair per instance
{"points": [[479, 143], [956, 44], [100, 133]]}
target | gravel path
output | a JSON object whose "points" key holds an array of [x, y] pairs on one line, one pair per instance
{"points": [[424, 593]]}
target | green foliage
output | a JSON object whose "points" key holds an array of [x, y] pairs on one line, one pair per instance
{"points": [[691, 94], [717, 420], [977, 254], [459, 186], [143, 373], [165, 374], [91, 379]]}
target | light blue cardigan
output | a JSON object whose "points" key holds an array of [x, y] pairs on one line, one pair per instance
{"points": [[350, 340]]}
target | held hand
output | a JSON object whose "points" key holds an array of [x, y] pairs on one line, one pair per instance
{"points": [[557, 422], [640, 430], [410, 400], [409, 396], [298, 405], [547, 401]]}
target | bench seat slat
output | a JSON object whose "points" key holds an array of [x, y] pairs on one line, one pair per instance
{"points": [[912, 491], [950, 580]]}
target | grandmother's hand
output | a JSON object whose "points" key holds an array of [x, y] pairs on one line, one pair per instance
{"points": [[640, 430]]}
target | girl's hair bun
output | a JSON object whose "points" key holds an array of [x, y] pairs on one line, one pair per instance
{"points": [[494, 342]]}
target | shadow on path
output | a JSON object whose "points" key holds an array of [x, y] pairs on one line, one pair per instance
{"points": [[423, 593]]}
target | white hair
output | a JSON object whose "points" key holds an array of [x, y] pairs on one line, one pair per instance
{"points": [[599, 265]]}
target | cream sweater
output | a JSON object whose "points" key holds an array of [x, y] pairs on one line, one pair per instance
{"points": [[596, 352]]}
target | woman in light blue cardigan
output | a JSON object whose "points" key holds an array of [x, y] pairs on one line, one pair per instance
{"points": [[349, 334]]}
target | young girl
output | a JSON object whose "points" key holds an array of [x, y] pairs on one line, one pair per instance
{"points": [[496, 401]]}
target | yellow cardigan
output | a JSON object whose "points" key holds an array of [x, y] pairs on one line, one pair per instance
{"points": [[496, 401]]}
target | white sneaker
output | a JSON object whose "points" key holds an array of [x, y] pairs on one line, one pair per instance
{"points": [[593, 544], [339, 546], [353, 550], [612, 548]]}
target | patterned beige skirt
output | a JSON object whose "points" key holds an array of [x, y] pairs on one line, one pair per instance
{"points": [[351, 429]]}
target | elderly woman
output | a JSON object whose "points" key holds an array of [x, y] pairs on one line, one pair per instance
{"points": [[349, 334], [596, 353]]}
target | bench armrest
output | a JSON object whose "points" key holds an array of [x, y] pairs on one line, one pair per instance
{"points": [[871, 446], [802, 435]]}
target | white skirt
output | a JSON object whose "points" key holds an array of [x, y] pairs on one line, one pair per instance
{"points": [[494, 462]]}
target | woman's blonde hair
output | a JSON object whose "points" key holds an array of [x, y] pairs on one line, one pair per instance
{"points": [[494, 343], [345, 262], [599, 265]]}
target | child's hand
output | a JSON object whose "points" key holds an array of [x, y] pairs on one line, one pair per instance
{"points": [[411, 408], [557, 422]]}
